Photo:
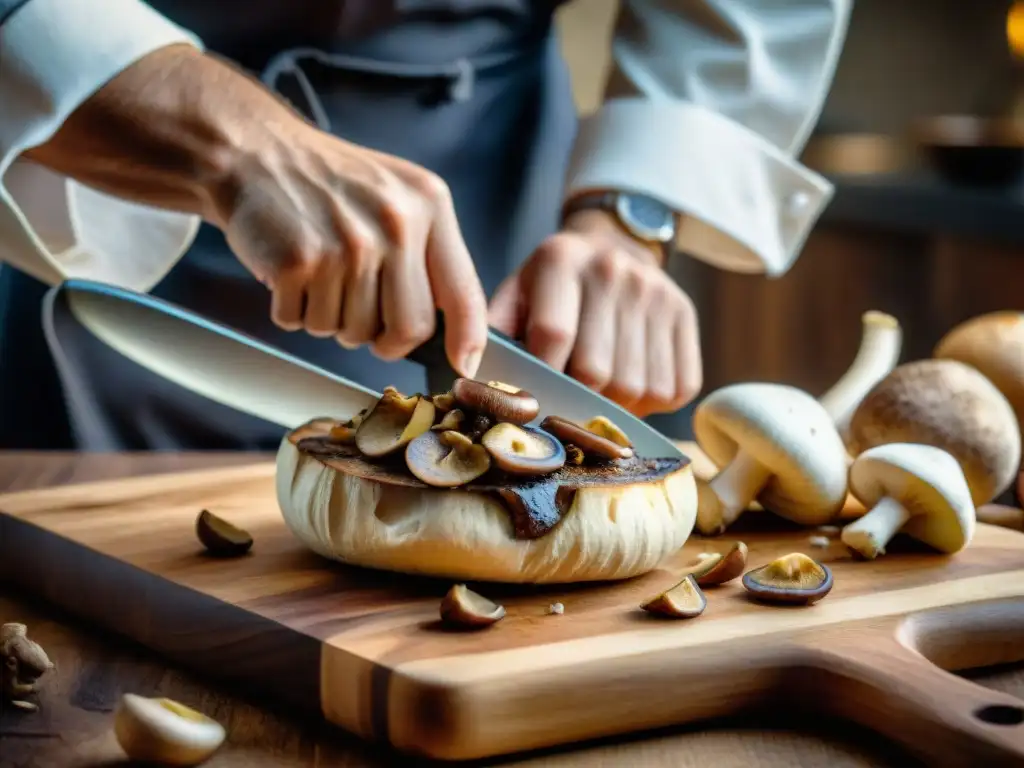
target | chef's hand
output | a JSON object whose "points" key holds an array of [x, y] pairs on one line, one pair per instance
{"points": [[356, 244], [352, 243], [594, 303]]}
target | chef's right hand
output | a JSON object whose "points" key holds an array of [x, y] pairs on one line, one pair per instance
{"points": [[354, 244]]}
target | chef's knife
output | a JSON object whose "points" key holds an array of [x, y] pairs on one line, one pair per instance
{"points": [[234, 369]]}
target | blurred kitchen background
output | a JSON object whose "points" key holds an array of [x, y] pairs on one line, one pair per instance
{"points": [[927, 222]]}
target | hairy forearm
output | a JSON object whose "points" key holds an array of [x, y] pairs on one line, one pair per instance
{"points": [[166, 132]]}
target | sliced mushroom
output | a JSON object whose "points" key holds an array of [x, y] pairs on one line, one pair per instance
{"points": [[462, 607], [794, 579], [497, 399], [523, 450], [443, 402], [683, 601], [589, 442], [453, 419], [723, 567], [394, 421], [165, 732], [606, 428], [574, 455], [446, 459], [221, 537]]}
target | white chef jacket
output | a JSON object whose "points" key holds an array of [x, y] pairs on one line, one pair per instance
{"points": [[709, 105]]}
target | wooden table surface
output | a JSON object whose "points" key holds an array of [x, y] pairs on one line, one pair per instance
{"points": [[72, 728]]}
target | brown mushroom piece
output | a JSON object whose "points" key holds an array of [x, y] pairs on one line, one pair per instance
{"points": [[453, 419], [794, 579], [501, 401], [462, 607], [609, 430], [683, 601], [393, 423], [994, 344], [724, 567], [949, 405], [523, 450], [591, 443], [221, 537], [24, 662], [446, 459]]}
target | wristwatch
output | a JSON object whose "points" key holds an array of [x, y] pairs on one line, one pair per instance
{"points": [[646, 219]]}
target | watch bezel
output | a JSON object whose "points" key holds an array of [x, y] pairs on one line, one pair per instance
{"points": [[663, 233]]}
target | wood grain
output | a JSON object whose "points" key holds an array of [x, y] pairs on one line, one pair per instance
{"points": [[364, 646]]}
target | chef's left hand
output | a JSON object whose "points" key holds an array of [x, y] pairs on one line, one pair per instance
{"points": [[593, 302]]}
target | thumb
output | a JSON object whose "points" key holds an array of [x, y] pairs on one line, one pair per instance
{"points": [[506, 306], [459, 295]]}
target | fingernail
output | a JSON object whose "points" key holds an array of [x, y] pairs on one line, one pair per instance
{"points": [[470, 363]]}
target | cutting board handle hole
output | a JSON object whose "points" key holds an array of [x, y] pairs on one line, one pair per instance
{"points": [[1000, 714]]}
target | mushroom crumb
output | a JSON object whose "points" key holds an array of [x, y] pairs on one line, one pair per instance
{"points": [[24, 662], [820, 542], [556, 608]]}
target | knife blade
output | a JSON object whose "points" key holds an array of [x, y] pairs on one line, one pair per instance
{"points": [[239, 371]]}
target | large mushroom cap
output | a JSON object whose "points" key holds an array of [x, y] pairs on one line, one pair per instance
{"points": [[928, 482], [994, 344], [949, 405], [790, 433]]}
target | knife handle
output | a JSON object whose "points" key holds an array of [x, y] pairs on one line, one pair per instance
{"points": [[432, 356]]}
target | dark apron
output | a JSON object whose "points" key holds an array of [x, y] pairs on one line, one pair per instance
{"points": [[475, 91]]}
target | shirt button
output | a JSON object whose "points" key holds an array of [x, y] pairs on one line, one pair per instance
{"points": [[797, 204]]}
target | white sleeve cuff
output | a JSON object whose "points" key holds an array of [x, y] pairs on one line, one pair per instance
{"points": [[54, 54], [746, 206]]}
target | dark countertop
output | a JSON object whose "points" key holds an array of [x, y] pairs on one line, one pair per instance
{"points": [[919, 202]]}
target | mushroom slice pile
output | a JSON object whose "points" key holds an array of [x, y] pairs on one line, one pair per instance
{"points": [[394, 421], [592, 444], [446, 459], [500, 401], [795, 579], [774, 443], [523, 450], [918, 489], [948, 405]]}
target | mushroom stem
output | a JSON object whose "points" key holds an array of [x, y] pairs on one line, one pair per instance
{"points": [[879, 353], [869, 534], [738, 484]]}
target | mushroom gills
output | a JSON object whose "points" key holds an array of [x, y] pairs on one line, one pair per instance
{"points": [[393, 423], [794, 578], [523, 450], [446, 459], [683, 601]]}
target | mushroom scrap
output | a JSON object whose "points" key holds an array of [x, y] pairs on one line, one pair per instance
{"points": [[794, 579], [24, 663], [165, 732], [774, 443], [918, 489], [948, 405]]}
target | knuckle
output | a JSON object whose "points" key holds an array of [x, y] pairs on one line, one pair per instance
{"points": [[432, 186], [561, 248], [549, 334], [594, 376], [412, 331], [608, 266]]}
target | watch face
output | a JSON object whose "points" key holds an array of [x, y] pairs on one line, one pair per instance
{"points": [[647, 217]]}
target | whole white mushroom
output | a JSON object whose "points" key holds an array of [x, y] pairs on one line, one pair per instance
{"points": [[774, 443]]}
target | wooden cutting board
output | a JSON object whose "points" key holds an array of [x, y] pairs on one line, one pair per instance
{"points": [[365, 650]]}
